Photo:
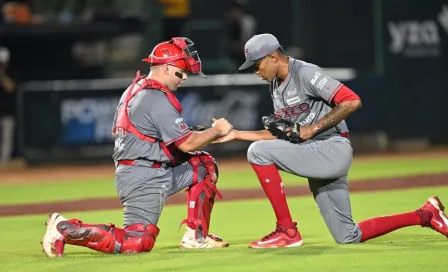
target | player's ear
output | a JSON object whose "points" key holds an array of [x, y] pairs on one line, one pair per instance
{"points": [[167, 70], [273, 57]]}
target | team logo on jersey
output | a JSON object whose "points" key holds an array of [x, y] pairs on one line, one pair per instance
{"points": [[317, 74], [292, 111], [308, 119], [293, 100], [291, 92], [183, 126], [322, 83], [119, 145]]}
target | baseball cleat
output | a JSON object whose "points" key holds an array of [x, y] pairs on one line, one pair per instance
{"points": [[439, 220], [53, 242], [212, 241], [281, 237]]}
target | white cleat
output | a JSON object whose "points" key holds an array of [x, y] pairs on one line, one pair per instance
{"points": [[52, 242], [189, 241]]}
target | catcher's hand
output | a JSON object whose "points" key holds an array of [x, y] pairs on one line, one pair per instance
{"points": [[282, 128], [198, 128]]}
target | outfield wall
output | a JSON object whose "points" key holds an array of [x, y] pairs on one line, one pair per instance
{"points": [[71, 120]]}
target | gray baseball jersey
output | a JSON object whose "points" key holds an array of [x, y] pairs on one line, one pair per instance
{"points": [[305, 96], [143, 190], [153, 115]]}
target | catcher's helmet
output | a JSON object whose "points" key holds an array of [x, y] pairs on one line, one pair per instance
{"points": [[176, 52]]}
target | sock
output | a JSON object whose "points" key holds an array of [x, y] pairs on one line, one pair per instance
{"points": [[272, 184], [378, 226]]}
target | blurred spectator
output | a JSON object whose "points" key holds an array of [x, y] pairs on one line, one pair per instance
{"points": [[17, 12], [7, 108], [240, 27], [175, 15]]}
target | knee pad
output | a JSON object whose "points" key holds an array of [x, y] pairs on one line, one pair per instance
{"points": [[139, 238], [202, 158]]}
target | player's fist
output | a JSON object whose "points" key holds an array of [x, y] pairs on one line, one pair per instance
{"points": [[222, 125]]}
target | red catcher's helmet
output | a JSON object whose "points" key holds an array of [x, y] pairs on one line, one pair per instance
{"points": [[176, 52]]}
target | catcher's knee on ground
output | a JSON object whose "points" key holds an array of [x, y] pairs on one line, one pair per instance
{"points": [[258, 154], [333, 200]]}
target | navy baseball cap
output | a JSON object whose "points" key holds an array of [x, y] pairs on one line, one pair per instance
{"points": [[257, 47]]}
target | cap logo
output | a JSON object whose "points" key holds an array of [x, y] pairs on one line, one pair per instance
{"points": [[246, 52], [166, 52]]}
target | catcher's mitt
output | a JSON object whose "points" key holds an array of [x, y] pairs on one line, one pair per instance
{"points": [[282, 128], [198, 128]]}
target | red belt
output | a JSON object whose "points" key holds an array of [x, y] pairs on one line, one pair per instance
{"points": [[132, 162]]}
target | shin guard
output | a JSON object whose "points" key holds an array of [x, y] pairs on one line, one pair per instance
{"points": [[107, 238], [201, 196]]}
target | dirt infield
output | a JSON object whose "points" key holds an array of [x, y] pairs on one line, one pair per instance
{"points": [[229, 195]]}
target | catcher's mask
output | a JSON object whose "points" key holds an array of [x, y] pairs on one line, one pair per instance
{"points": [[176, 52]]}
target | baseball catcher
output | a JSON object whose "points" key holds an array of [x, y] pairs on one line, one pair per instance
{"points": [[156, 155]]}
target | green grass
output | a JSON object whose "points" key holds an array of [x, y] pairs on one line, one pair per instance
{"points": [[409, 249], [59, 191]]}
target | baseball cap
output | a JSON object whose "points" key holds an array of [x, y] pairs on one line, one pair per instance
{"points": [[257, 47], [4, 54]]}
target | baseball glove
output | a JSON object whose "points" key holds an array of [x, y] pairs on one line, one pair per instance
{"points": [[198, 128], [282, 128]]}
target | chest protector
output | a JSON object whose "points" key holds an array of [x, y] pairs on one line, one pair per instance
{"points": [[123, 123]]}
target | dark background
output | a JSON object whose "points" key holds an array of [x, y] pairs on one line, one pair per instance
{"points": [[404, 88]]}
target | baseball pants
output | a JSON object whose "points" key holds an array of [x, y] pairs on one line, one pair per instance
{"points": [[326, 164], [143, 191]]}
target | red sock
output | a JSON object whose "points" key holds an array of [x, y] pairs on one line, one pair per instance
{"points": [[378, 226], [272, 184]]}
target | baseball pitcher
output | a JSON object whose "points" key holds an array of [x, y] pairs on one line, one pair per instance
{"points": [[308, 137], [156, 155]]}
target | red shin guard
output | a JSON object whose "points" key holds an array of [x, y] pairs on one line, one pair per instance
{"points": [[135, 238], [201, 196]]}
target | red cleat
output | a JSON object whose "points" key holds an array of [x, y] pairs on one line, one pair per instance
{"points": [[439, 220], [281, 237]]}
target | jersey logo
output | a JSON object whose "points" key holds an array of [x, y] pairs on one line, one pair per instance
{"points": [[322, 83], [315, 77], [293, 100], [308, 119], [291, 92], [119, 143], [293, 111], [183, 126]]}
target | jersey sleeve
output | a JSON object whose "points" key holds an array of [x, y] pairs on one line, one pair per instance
{"points": [[317, 84], [168, 121]]}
